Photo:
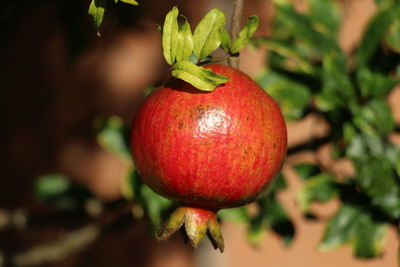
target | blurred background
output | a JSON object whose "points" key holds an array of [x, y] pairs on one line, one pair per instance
{"points": [[65, 92]]}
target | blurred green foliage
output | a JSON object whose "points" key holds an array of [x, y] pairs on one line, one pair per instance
{"points": [[307, 72], [350, 93]]}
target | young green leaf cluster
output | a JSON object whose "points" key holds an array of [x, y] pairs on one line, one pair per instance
{"points": [[243, 38], [97, 9], [180, 46]]}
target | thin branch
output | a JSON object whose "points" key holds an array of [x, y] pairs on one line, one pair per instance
{"points": [[233, 60], [59, 249], [73, 241], [20, 219], [236, 18]]}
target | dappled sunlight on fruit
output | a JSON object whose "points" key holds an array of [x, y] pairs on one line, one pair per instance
{"points": [[211, 150]]}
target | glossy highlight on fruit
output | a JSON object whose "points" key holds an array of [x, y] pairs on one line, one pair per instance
{"points": [[208, 150]]}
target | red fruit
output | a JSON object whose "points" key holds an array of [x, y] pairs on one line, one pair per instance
{"points": [[208, 150]]}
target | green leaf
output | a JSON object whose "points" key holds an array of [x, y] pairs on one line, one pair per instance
{"points": [[379, 114], [381, 3], [325, 16], [170, 35], [149, 90], [392, 152], [300, 26], [341, 228], [374, 34], [279, 183], [225, 40], [375, 117], [376, 165], [159, 28], [96, 11], [131, 2], [294, 60], [277, 218], [185, 43], [130, 184], [356, 147], [270, 215], [336, 80], [256, 230], [374, 84], [328, 101], [207, 36], [57, 191], [237, 215], [375, 144], [245, 34], [292, 97], [397, 164], [201, 78], [306, 170], [369, 237], [392, 37], [349, 132], [112, 137], [51, 185], [319, 188], [376, 177], [353, 224], [154, 205], [389, 203]]}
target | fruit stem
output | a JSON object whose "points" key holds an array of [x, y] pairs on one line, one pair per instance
{"points": [[233, 59], [198, 222]]}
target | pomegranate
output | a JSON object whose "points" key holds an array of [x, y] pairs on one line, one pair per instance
{"points": [[208, 150]]}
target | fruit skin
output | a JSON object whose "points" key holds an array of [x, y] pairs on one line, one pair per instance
{"points": [[210, 150]]}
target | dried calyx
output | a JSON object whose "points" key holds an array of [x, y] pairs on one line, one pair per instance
{"points": [[197, 223]]}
